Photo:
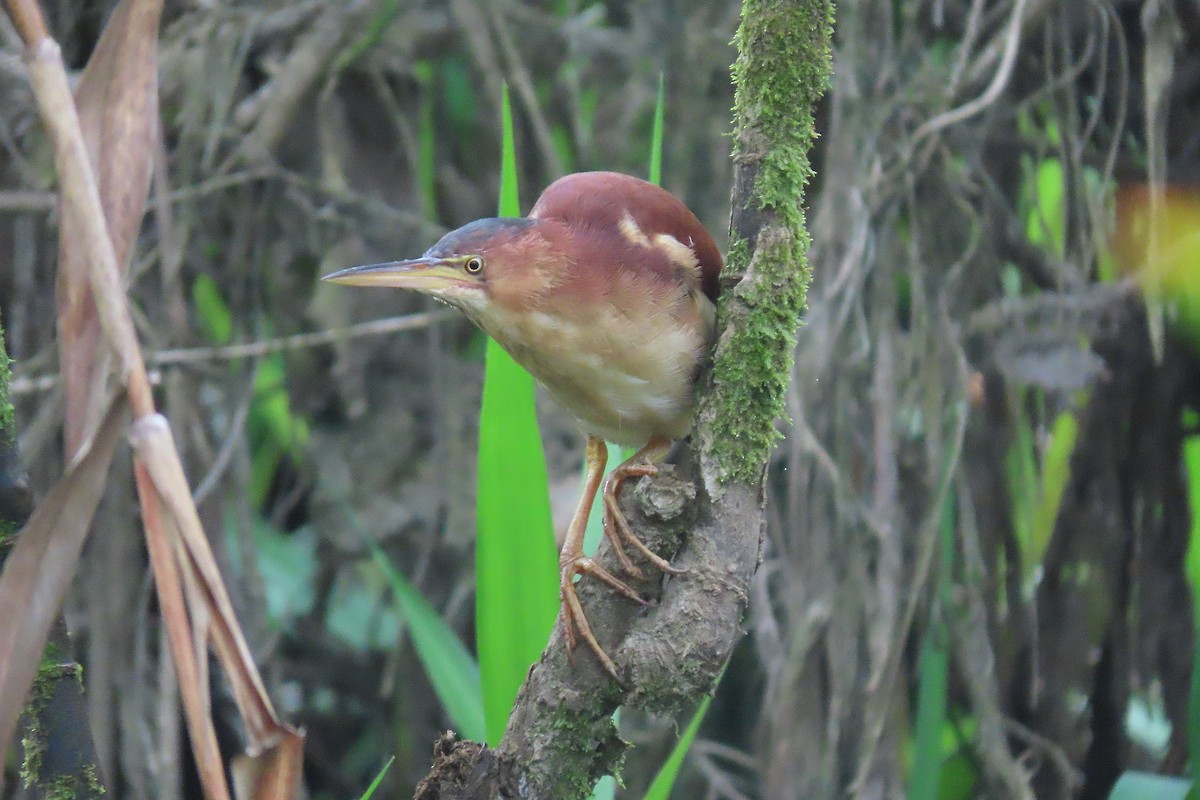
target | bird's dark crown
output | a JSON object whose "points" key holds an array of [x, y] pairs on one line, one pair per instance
{"points": [[474, 237]]}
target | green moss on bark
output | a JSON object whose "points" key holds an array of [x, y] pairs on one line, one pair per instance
{"points": [[82, 780], [8, 435], [33, 744], [7, 439], [8, 427], [782, 70]]}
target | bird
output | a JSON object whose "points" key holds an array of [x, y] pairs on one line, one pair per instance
{"points": [[606, 293]]}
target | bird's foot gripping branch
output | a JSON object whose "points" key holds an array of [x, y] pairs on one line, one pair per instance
{"points": [[561, 737]]}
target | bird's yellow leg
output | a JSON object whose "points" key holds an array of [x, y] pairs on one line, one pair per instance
{"points": [[616, 527], [572, 561]]}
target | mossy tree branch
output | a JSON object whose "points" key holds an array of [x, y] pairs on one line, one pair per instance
{"points": [[782, 70], [58, 757], [560, 738], [14, 494]]}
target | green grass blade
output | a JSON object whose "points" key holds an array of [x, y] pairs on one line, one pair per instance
{"points": [[372, 35], [1194, 713], [1021, 471], [656, 136], [926, 772], [517, 567], [1191, 457], [451, 670], [212, 312], [1191, 460], [378, 780], [426, 138], [660, 787], [1056, 463], [934, 668], [510, 198], [1045, 190]]}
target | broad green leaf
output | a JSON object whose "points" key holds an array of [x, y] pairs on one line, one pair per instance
{"points": [[287, 566], [605, 788], [212, 312], [272, 429], [1147, 725], [516, 563], [271, 426], [451, 670], [1146, 786], [1045, 191], [960, 776], [1010, 281], [356, 613]]}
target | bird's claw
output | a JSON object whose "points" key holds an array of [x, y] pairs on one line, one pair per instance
{"points": [[575, 619], [616, 527]]}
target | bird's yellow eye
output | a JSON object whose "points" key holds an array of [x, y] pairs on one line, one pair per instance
{"points": [[474, 265]]}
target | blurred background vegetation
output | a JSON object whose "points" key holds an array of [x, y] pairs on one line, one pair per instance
{"points": [[976, 578]]}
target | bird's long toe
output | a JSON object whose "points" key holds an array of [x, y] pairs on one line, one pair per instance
{"points": [[577, 625], [616, 526]]}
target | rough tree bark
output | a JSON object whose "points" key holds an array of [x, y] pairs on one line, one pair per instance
{"points": [[58, 756], [560, 738]]}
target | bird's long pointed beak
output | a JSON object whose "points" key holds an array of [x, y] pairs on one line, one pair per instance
{"points": [[419, 274]]}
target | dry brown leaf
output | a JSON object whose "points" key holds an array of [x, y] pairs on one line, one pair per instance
{"points": [[117, 106], [41, 565], [274, 745], [117, 103], [83, 215], [273, 775], [190, 656]]}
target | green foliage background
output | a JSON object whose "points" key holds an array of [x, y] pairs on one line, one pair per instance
{"points": [[981, 525]]}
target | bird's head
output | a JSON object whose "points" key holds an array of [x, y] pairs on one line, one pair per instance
{"points": [[503, 261]]}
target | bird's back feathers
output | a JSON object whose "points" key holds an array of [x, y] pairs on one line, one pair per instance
{"points": [[659, 221]]}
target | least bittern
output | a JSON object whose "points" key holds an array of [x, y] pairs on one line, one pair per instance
{"points": [[606, 294]]}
